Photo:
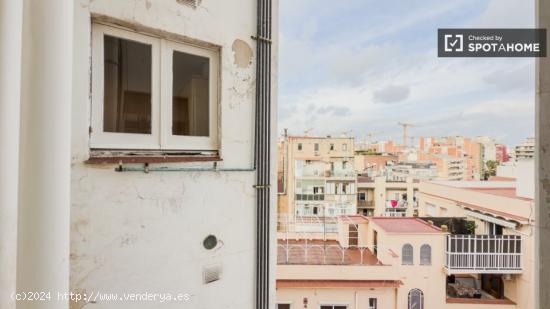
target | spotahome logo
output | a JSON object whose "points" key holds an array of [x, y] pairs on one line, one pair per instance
{"points": [[491, 42]]}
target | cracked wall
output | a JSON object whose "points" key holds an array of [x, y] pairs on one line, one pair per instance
{"points": [[138, 232]]}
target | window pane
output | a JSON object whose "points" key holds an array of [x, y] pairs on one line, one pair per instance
{"points": [[127, 86], [283, 306], [190, 95]]}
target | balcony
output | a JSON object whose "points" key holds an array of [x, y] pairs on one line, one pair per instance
{"points": [[340, 173], [483, 254], [365, 204]]}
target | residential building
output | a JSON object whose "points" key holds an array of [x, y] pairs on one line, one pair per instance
{"points": [[495, 260], [381, 196], [525, 150], [146, 152], [448, 167], [372, 164], [502, 153], [473, 247], [367, 263], [321, 178], [489, 148], [418, 170], [458, 147]]}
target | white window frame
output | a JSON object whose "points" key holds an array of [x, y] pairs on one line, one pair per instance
{"points": [[375, 303], [404, 261], [195, 142], [426, 255], [161, 95], [113, 140]]}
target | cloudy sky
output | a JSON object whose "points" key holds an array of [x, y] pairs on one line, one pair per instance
{"points": [[364, 65]]}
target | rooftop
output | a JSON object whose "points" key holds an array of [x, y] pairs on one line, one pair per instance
{"points": [[405, 225], [505, 192], [295, 283], [319, 252], [355, 219], [499, 187]]}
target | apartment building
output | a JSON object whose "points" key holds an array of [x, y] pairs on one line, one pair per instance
{"points": [[525, 150], [144, 142], [375, 263], [420, 170], [372, 164], [473, 247], [448, 167], [494, 262], [502, 153], [443, 150], [381, 196], [320, 177], [489, 147]]}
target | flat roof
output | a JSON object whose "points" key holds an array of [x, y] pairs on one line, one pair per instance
{"points": [[299, 283], [475, 184], [506, 192], [355, 218], [500, 188], [329, 252], [405, 225]]}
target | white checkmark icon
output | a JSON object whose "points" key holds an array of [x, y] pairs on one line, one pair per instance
{"points": [[453, 43]]}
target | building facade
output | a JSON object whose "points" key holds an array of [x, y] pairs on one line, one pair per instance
{"points": [[147, 133], [320, 177], [496, 259], [525, 150]]}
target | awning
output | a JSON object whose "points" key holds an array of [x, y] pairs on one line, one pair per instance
{"points": [[491, 219]]}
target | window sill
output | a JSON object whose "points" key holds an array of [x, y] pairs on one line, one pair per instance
{"points": [[129, 157]]}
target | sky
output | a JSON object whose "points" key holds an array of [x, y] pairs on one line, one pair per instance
{"points": [[362, 66]]}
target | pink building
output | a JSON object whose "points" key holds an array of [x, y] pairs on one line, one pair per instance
{"points": [[502, 153]]}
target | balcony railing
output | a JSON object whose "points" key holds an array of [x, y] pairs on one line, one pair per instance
{"points": [[484, 254], [363, 203]]}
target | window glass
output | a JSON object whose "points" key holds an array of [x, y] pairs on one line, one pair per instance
{"points": [[407, 254], [127, 86], [416, 299], [283, 306], [425, 255], [190, 95], [373, 303]]}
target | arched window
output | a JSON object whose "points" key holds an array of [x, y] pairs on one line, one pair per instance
{"points": [[407, 254], [425, 255], [416, 299]]}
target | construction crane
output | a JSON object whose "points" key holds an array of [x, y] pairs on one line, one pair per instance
{"points": [[405, 126]]}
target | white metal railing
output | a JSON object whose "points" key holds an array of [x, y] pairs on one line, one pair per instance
{"points": [[394, 214], [311, 252], [484, 254]]}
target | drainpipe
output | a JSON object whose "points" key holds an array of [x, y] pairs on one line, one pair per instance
{"points": [[262, 153], [11, 27], [45, 169]]}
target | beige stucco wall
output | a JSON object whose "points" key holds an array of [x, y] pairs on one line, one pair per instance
{"points": [[521, 288], [353, 298]]}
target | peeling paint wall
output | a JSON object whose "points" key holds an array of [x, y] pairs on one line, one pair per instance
{"points": [[138, 232]]}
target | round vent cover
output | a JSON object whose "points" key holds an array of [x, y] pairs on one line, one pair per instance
{"points": [[210, 242]]}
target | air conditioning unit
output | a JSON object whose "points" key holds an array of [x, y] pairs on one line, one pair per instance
{"points": [[507, 277]]}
